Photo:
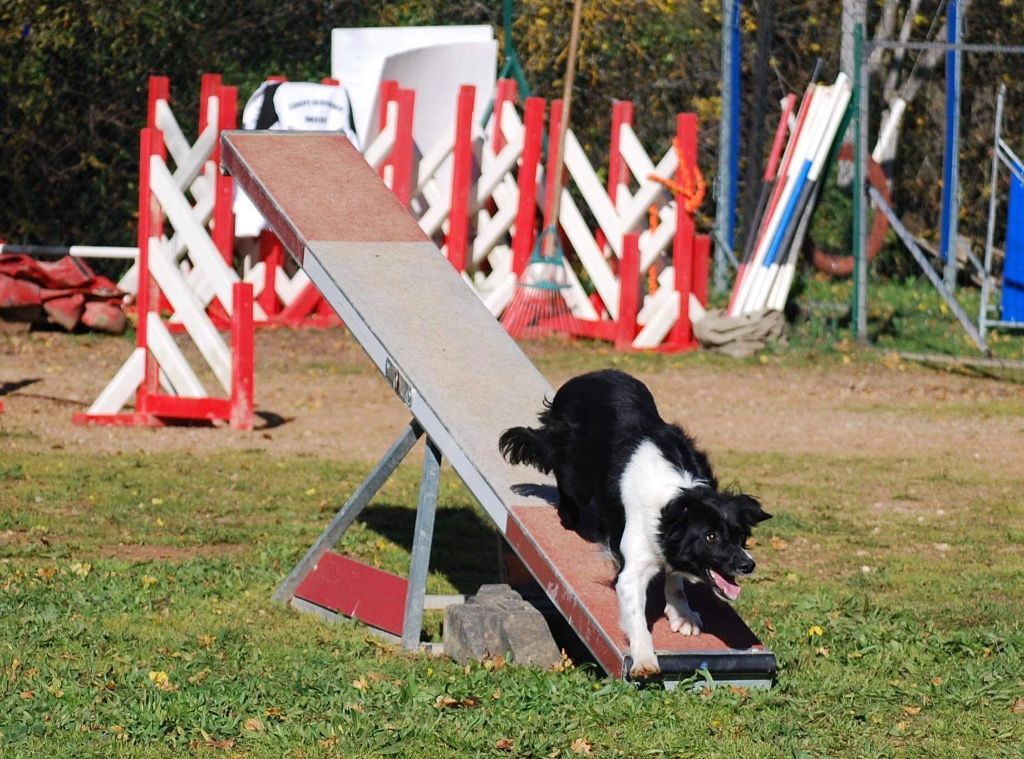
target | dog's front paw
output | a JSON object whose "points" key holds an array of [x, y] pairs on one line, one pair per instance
{"points": [[644, 668], [685, 623]]}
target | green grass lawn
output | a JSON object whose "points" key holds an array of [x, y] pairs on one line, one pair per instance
{"points": [[135, 612], [135, 619]]}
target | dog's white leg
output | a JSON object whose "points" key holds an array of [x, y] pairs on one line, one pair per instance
{"points": [[631, 589], [681, 618]]}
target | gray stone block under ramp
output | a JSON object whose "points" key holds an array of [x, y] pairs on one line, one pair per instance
{"points": [[462, 377]]}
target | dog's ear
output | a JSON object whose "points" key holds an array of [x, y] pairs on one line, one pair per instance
{"points": [[678, 511], [748, 509]]}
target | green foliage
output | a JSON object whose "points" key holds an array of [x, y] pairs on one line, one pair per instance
{"points": [[73, 89], [662, 55], [73, 79], [903, 315]]}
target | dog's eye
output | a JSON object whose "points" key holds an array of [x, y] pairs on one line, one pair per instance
{"points": [[711, 537]]}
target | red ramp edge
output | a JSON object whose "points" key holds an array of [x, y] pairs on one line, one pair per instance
{"points": [[579, 584]]}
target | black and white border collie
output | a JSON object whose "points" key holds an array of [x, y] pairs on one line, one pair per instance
{"points": [[659, 506]]}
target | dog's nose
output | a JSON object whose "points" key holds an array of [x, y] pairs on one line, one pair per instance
{"points": [[745, 566]]}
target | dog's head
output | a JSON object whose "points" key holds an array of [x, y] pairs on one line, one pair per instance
{"points": [[704, 535]]}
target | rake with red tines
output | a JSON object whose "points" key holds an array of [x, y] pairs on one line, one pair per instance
{"points": [[538, 308]]}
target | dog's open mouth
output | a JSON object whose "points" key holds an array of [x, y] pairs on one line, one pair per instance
{"points": [[724, 588]]}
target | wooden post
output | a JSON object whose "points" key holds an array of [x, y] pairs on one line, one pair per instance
{"points": [[618, 171], [151, 143], [554, 184], [159, 89], [522, 241], [403, 152], [505, 92], [271, 254], [629, 291], [224, 218], [683, 244], [462, 176], [242, 358]]}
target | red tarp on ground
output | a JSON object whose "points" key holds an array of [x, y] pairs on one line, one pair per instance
{"points": [[66, 292]]}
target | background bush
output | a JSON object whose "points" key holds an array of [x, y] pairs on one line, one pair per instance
{"points": [[73, 86]]}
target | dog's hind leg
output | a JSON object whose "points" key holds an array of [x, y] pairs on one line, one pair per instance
{"points": [[681, 618], [571, 496], [568, 510]]}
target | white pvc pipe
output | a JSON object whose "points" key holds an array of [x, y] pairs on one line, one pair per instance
{"points": [[754, 270], [102, 251], [838, 100]]}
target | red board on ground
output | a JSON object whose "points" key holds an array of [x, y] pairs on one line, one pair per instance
{"points": [[352, 588]]}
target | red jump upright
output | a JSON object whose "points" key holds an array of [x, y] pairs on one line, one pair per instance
{"points": [[157, 376]]}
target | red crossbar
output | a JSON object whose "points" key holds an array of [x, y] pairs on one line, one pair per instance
{"points": [[177, 407]]}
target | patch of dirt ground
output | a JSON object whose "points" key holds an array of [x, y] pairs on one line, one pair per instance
{"points": [[317, 393], [144, 553]]}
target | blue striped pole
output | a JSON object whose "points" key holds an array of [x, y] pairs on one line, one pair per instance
{"points": [[951, 157]]}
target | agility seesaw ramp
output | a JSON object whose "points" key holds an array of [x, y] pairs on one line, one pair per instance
{"points": [[464, 381]]}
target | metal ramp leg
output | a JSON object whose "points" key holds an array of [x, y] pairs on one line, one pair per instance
{"points": [[350, 511], [422, 540], [403, 611]]}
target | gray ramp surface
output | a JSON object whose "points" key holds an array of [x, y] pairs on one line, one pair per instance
{"points": [[466, 374]]}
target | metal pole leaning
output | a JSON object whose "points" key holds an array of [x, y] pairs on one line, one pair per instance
{"points": [[423, 537], [947, 295], [986, 276], [350, 511]]}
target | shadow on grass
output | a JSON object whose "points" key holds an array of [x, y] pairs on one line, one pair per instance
{"points": [[465, 547]]}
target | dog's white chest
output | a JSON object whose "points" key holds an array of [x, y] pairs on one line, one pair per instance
{"points": [[649, 481]]}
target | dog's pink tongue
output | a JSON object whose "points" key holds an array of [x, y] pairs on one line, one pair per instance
{"points": [[729, 589]]}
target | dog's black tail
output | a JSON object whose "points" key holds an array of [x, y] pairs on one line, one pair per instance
{"points": [[526, 445]]}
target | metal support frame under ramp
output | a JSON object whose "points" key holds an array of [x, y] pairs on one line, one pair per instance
{"points": [[464, 381]]}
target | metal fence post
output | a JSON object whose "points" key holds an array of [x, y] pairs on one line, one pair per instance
{"points": [[951, 163], [860, 205], [725, 183]]}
